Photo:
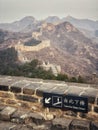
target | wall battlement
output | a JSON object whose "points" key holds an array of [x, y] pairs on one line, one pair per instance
{"points": [[42, 45], [27, 94]]}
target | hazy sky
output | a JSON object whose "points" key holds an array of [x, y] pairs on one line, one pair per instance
{"points": [[11, 10]]}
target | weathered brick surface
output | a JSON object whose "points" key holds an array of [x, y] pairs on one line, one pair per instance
{"points": [[13, 126], [89, 107], [4, 88], [96, 109], [24, 104], [2, 100], [2, 107], [97, 100], [61, 124], [31, 88], [60, 89], [16, 117], [26, 98], [7, 126], [44, 88], [18, 86], [6, 95], [91, 99], [74, 90], [80, 125], [28, 93], [91, 93], [11, 101], [71, 113], [6, 113], [15, 89], [94, 126], [36, 118]]}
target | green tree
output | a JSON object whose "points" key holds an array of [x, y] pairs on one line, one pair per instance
{"points": [[62, 77], [80, 79], [73, 79]]}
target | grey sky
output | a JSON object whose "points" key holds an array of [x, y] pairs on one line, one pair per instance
{"points": [[11, 10]]}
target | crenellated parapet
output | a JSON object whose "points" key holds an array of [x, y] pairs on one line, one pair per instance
{"points": [[18, 95], [23, 48]]}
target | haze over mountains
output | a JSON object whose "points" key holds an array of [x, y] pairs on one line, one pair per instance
{"points": [[29, 23], [71, 45]]}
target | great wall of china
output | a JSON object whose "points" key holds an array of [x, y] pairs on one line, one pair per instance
{"points": [[23, 48], [21, 105]]}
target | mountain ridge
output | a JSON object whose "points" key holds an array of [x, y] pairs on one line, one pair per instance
{"points": [[69, 47], [87, 24]]}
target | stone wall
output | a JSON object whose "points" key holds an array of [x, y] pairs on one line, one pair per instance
{"points": [[26, 94], [56, 69], [42, 45]]}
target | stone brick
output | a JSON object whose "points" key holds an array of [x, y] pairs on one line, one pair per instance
{"points": [[26, 98], [46, 87], [89, 107], [92, 116], [80, 125], [23, 104], [2, 107], [74, 90], [97, 100], [4, 88], [15, 89], [61, 124], [12, 126], [71, 113], [30, 89], [7, 126], [6, 95], [39, 93], [91, 93], [94, 126], [36, 118], [96, 109], [18, 86], [82, 115], [16, 117], [12, 102], [2, 100], [91, 99], [51, 88], [59, 89], [6, 113]]}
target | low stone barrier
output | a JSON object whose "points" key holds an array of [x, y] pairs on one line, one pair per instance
{"points": [[26, 94]]}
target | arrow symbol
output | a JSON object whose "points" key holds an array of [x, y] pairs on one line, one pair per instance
{"points": [[47, 100]]}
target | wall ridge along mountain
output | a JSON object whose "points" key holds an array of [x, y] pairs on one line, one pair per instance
{"points": [[24, 48]]}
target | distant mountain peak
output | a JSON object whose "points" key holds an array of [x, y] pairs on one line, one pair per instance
{"points": [[67, 26], [69, 17], [48, 26], [52, 19], [29, 18]]}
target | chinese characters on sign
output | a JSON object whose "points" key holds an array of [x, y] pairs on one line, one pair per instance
{"points": [[68, 102]]}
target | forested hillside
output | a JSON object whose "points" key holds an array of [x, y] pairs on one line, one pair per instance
{"points": [[9, 65]]}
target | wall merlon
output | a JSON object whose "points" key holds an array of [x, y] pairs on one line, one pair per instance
{"points": [[4, 87], [31, 88], [21, 47]]}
